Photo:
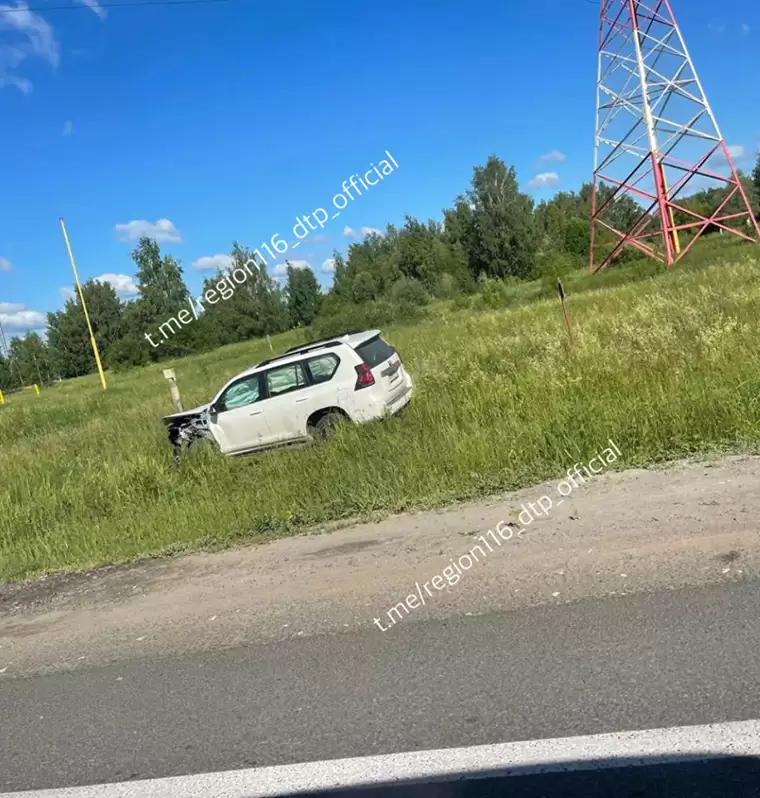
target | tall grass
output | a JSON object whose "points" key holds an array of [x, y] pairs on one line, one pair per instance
{"points": [[667, 366]]}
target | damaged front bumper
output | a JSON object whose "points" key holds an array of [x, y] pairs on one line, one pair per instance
{"points": [[187, 427]]}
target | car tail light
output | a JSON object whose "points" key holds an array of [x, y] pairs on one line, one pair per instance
{"points": [[364, 377]]}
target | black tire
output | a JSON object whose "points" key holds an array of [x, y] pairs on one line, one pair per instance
{"points": [[328, 424]]}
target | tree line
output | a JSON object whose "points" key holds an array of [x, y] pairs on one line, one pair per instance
{"points": [[493, 232]]}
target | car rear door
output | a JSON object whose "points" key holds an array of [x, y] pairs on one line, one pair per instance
{"points": [[327, 387]]}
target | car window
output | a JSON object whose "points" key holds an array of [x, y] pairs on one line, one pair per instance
{"points": [[242, 393], [374, 351], [286, 378], [323, 367]]}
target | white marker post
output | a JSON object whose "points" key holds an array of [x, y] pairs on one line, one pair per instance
{"points": [[173, 389]]}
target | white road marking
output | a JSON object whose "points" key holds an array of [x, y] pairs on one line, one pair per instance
{"points": [[534, 756]]}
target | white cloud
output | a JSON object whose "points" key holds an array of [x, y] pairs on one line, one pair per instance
{"points": [[281, 269], [213, 262], [362, 232], [5, 265], [328, 266], [163, 231], [94, 6], [68, 128], [746, 28], [15, 316], [553, 156], [320, 238], [736, 151], [123, 284], [544, 180], [30, 37]]}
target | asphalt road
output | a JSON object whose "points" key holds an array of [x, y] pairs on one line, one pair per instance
{"points": [[602, 665]]}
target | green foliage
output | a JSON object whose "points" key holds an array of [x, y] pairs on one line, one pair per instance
{"points": [[29, 362], [244, 302], [446, 286], [495, 294], [462, 302], [351, 317], [68, 338], [504, 226], [303, 296], [564, 222], [408, 290], [7, 381], [162, 293], [364, 287], [490, 229], [553, 266], [576, 238]]}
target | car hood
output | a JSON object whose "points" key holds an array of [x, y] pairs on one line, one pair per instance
{"points": [[186, 414]]}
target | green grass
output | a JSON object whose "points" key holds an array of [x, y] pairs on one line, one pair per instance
{"points": [[667, 365]]}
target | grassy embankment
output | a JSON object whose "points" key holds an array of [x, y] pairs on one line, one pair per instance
{"points": [[668, 366]]}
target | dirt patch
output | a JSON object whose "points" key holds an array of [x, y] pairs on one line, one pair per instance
{"points": [[694, 523], [345, 548]]}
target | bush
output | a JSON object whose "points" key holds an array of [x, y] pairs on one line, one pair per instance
{"points": [[364, 287], [553, 266], [354, 318], [408, 291], [127, 353], [495, 294], [462, 302], [446, 286]]}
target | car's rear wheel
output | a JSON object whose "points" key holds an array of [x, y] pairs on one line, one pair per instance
{"points": [[326, 425]]}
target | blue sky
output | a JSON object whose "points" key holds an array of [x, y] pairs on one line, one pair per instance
{"points": [[227, 120]]}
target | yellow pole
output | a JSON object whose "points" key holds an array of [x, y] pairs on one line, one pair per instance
{"points": [[84, 307], [676, 237], [36, 389], [2, 398]]}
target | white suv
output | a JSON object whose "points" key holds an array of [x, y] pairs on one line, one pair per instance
{"points": [[300, 395]]}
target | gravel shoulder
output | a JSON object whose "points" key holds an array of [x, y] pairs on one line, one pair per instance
{"points": [[692, 523]]}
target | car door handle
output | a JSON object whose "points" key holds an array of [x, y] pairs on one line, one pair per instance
{"points": [[302, 400], [255, 413]]}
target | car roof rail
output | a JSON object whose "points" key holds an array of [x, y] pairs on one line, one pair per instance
{"points": [[312, 344], [299, 350]]}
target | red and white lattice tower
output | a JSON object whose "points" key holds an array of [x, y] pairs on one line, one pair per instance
{"points": [[657, 141]]}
